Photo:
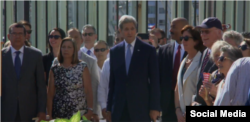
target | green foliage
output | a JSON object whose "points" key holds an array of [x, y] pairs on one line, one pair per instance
{"points": [[75, 118]]}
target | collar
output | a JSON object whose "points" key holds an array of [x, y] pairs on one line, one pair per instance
{"points": [[13, 50], [176, 45], [85, 49], [132, 43]]}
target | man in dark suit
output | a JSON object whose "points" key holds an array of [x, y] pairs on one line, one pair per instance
{"points": [[211, 31], [134, 91], [170, 57], [23, 87]]}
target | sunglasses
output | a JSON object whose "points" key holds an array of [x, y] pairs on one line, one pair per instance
{"points": [[160, 39], [222, 58], [205, 31], [186, 38], [102, 50], [89, 34], [243, 47], [29, 31], [55, 36]]}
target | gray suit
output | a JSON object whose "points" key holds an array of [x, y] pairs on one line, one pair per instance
{"points": [[93, 69], [29, 91]]}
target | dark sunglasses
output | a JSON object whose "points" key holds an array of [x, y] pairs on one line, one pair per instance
{"points": [[186, 38], [222, 58], [55, 36], [102, 50], [90, 34], [243, 47], [29, 31]]}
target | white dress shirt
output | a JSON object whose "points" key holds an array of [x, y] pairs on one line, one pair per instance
{"points": [[175, 50], [131, 48], [85, 50], [13, 50], [103, 86]]}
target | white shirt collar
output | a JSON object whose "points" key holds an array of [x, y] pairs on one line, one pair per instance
{"points": [[132, 43], [13, 50], [85, 50], [176, 45]]}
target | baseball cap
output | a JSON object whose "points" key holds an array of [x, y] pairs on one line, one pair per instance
{"points": [[210, 22]]}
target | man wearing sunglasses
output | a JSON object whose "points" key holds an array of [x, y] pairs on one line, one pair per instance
{"points": [[211, 31], [170, 57], [89, 37], [158, 37]]}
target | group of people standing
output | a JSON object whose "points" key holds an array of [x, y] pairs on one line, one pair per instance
{"points": [[132, 81]]}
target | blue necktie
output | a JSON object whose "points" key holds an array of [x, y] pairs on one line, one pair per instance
{"points": [[17, 64], [88, 52], [128, 57]]}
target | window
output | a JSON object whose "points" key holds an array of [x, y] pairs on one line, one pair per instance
{"points": [[161, 11], [151, 20], [151, 9], [161, 22]]}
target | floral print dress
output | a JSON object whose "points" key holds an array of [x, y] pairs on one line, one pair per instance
{"points": [[69, 91]]}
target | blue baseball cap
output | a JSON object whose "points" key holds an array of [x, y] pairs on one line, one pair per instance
{"points": [[210, 22]]}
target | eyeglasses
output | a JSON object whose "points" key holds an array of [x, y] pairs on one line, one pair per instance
{"points": [[55, 36], [160, 39], [205, 31], [186, 38], [102, 50], [243, 47], [222, 58], [29, 31], [90, 34]]}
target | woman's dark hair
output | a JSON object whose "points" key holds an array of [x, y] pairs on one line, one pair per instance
{"points": [[75, 59], [62, 34], [196, 37]]}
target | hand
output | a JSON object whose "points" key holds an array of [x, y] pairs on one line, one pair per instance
{"points": [[108, 116], [194, 104], [180, 115], [41, 116], [95, 118], [154, 114], [211, 88], [104, 113], [89, 115], [202, 92]]}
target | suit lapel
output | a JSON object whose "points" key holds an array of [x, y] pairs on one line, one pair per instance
{"points": [[25, 62], [136, 54], [171, 55], [200, 64], [192, 66], [9, 61]]}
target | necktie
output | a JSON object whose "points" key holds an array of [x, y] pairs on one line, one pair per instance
{"points": [[128, 57], [17, 64], [204, 63], [176, 66], [88, 52]]}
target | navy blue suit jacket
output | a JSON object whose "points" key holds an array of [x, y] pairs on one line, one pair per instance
{"points": [[140, 88]]}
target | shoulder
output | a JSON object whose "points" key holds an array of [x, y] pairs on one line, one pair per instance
{"points": [[86, 58], [33, 50]]}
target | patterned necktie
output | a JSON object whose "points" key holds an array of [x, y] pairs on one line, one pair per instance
{"points": [[88, 52], [204, 63], [176, 66], [17, 64], [128, 57]]}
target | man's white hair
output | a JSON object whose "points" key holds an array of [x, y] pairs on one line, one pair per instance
{"points": [[126, 19]]}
